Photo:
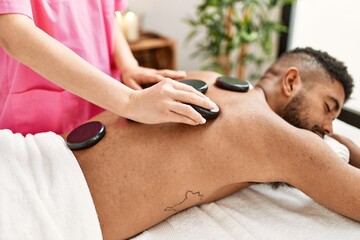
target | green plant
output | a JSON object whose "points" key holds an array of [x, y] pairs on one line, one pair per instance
{"points": [[231, 27]]}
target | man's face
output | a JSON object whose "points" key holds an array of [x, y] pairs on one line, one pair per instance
{"points": [[314, 109]]}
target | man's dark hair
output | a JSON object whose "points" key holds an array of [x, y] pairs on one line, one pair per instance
{"points": [[335, 68]]}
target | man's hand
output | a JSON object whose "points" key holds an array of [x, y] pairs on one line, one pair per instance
{"points": [[353, 148]]}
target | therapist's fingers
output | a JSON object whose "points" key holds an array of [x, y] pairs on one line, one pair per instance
{"points": [[188, 94], [162, 103], [172, 73], [183, 113], [179, 96], [135, 77]]}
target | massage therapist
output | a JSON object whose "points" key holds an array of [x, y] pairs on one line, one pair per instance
{"points": [[47, 46]]}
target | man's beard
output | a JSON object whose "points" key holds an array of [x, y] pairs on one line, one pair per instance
{"points": [[295, 114]]}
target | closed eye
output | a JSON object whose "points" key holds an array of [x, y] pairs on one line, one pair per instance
{"points": [[327, 108]]}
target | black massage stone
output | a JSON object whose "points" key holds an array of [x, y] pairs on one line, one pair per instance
{"points": [[199, 85], [232, 84], [206, 113]]}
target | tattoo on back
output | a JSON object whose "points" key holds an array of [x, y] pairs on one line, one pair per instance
{"points": [[190, 196]]}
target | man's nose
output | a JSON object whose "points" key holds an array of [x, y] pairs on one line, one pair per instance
{"points": [[327, 127]]}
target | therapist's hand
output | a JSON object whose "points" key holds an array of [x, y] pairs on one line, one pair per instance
{"points": [[164, 102], [135, 76]]}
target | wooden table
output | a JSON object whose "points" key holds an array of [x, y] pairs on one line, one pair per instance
{"points": [[154, 51]]}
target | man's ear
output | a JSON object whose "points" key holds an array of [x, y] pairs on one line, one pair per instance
{"points": [[291, 82]]}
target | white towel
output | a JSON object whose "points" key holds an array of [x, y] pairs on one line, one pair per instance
{"points": [[256, 213], [43, 193], [259, 213]]}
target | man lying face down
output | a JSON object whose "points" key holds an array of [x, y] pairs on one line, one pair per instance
{"points": [[139, 175]]}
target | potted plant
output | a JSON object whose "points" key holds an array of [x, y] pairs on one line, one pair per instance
{"points": [[230, 28]]}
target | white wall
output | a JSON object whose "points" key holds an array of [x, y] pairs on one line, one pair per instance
{"points": [[166, 17], [332, 26]]}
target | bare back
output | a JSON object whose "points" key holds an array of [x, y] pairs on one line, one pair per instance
{"points": [[141, 174]]}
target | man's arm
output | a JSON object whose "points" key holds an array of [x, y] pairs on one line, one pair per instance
{"points": [[353, 148], [316, 170]]}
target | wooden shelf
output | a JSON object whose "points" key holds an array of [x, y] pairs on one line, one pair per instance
{"points": [[154, 51]]}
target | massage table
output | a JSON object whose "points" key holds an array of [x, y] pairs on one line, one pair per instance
{"points": [[262, 213]]}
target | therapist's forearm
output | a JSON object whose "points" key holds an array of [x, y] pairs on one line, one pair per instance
{"points": [[124, 59], [31, 46]]}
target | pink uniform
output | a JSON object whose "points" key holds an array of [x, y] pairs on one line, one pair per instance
{"points": [[28, 102]]}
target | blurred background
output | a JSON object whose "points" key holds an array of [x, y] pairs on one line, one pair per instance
{"points": [[166, 18], [328, 25]]}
